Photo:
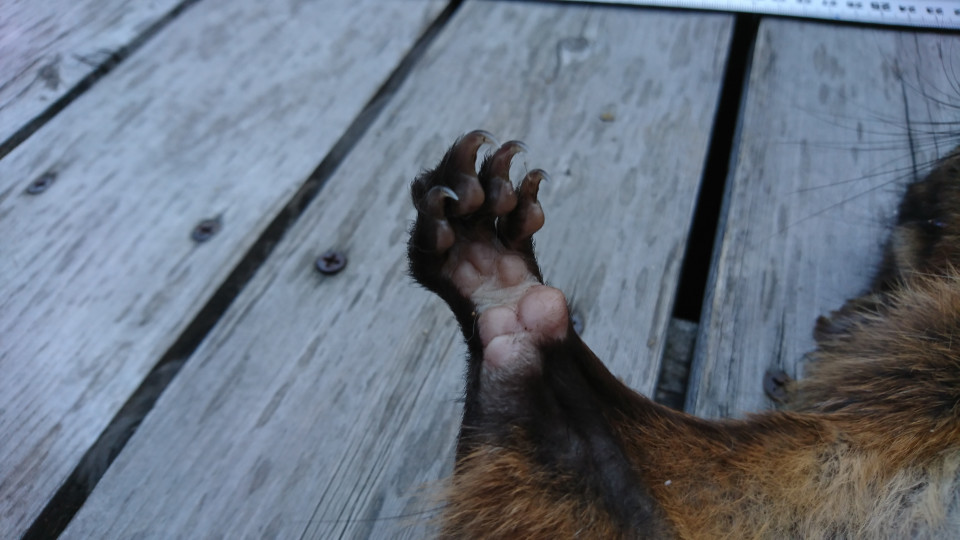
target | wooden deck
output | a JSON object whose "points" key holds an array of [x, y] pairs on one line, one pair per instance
{"points": [[298, 405]]}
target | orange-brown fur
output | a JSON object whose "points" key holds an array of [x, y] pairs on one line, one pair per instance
{"points": [[517, 500], [869, 446], [862, 454]]}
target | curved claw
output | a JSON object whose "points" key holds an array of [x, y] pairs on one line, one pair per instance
{"points": [[527, 218], [499, 162], [530, 185], [432, 203], [465, 150], [463, 157], [447, 192], [495, 178]]}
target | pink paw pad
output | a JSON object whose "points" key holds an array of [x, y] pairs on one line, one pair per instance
{"points": [[511, 333]]}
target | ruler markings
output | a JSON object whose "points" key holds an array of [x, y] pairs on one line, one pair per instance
{"points": [[938, 14]]}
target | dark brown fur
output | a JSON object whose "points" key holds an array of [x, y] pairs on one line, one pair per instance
{"points": [[869, 446]]}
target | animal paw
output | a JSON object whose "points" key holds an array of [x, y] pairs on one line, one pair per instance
{"points": [[536, 396], [472, 245]]}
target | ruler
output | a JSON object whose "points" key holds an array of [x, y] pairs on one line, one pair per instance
{"points": [[941, 14]]}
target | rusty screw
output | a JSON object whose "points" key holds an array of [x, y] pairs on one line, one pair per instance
{"points": [[41, 183], [331, 262], [206, 229]]}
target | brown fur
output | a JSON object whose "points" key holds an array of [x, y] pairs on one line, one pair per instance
{"points": [[869, 446], [518, 500]]}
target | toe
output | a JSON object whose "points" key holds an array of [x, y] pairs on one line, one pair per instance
{"points": [[495, 178], [527, 218], [463, 176]]}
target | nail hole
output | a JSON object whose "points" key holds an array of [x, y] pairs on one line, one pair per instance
{"points": [[41, 183], [206, 229]]}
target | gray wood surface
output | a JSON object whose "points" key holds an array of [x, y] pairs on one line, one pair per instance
{"points": [[324, 407], [224, 113], [47, 47], [823, 157]]}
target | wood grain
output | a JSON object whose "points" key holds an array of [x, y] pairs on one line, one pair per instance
{"points": [[835, 119], [325, 407], [46, 48], [223, 114]]}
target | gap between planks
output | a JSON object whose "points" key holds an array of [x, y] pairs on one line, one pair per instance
{"points": [[825, 150], [57, 514], [93, 264], [358, 418], [33, 116]]}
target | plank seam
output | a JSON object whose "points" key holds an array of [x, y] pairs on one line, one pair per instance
{"points": [[701, 243], [70, 497], [87, 82]]}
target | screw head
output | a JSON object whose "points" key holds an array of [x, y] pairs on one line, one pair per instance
{"points": [[331, 262], [774, 385], [41, 183], [206, 229]]}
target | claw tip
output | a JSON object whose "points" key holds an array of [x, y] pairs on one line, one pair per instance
{"points": [[449, 193], [485, 136], [540, 174]]}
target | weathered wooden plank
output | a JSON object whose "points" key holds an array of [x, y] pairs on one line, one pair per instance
{"points": [[225, 113], [46, 48], [823, 156], [319, 406]]}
